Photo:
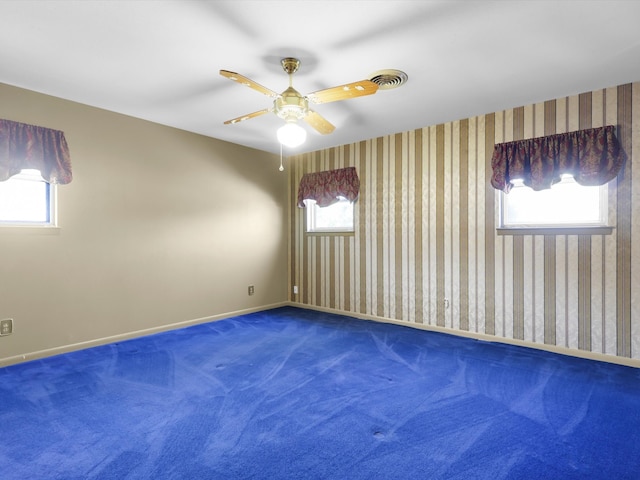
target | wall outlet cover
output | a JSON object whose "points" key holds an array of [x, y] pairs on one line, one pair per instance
{"points": [[6, 326]]}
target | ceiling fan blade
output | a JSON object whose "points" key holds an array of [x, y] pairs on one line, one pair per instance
{"points": [[248, 116], [344, 92], [317, 121], [236, 77]]}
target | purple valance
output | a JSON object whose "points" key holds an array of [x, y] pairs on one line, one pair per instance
{"points": [[326, 187], [592, 157], [24, 146]]}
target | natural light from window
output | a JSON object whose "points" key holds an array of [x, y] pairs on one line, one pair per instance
{"points": [[25, 199], [566, 203], [337, 217]]}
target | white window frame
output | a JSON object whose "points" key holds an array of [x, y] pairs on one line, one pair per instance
{"points": [[50, 199], [311, 213], [508, 223]]}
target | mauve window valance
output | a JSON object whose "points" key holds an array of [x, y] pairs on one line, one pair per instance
{"points": [[325, 187], [592, 156], [24, 146]]}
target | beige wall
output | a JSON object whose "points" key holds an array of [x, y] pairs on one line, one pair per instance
{"points": [[159, 226], [426, 221]]}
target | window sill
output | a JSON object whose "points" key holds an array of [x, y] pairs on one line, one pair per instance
{"points": [[334, 233], [29, 230], [554, 230]]}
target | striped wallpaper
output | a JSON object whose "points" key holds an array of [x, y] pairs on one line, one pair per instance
{"points": [[426, 250]]}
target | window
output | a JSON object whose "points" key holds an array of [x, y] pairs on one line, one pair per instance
{"points": [[337, 217], [26, 199], [565, 204], [328, 199]]}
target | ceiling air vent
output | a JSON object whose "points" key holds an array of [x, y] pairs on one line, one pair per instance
{"points": [[388, 79]]}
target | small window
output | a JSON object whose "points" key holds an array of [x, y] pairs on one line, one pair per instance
{"points": [[565, 204], [26, 199], [337, 217]]}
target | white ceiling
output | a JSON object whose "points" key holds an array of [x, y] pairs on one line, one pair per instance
{"points": [[160, 60]]}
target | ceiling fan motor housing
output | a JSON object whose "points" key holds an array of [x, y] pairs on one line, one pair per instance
{"points": [[291, 105]]}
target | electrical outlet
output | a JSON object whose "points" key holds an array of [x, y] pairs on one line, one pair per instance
{"points": [[295, 289], [251, 290], [6, 326]]}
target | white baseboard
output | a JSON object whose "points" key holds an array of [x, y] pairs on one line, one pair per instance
{"points": [[129, 335], [629, 362], [601, 357]]}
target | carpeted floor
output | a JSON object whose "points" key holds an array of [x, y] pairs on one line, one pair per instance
{"points": [[297, 394]]}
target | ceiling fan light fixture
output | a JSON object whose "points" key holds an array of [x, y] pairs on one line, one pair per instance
{"points": [[291, 134]]}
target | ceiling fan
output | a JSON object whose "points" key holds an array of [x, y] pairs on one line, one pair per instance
{"points": [[291, 106]]}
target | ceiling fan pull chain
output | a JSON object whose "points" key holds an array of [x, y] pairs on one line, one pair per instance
{"points": [[281, 167]]}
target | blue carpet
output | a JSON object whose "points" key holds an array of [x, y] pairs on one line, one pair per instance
{"points": [[297, 394]]}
